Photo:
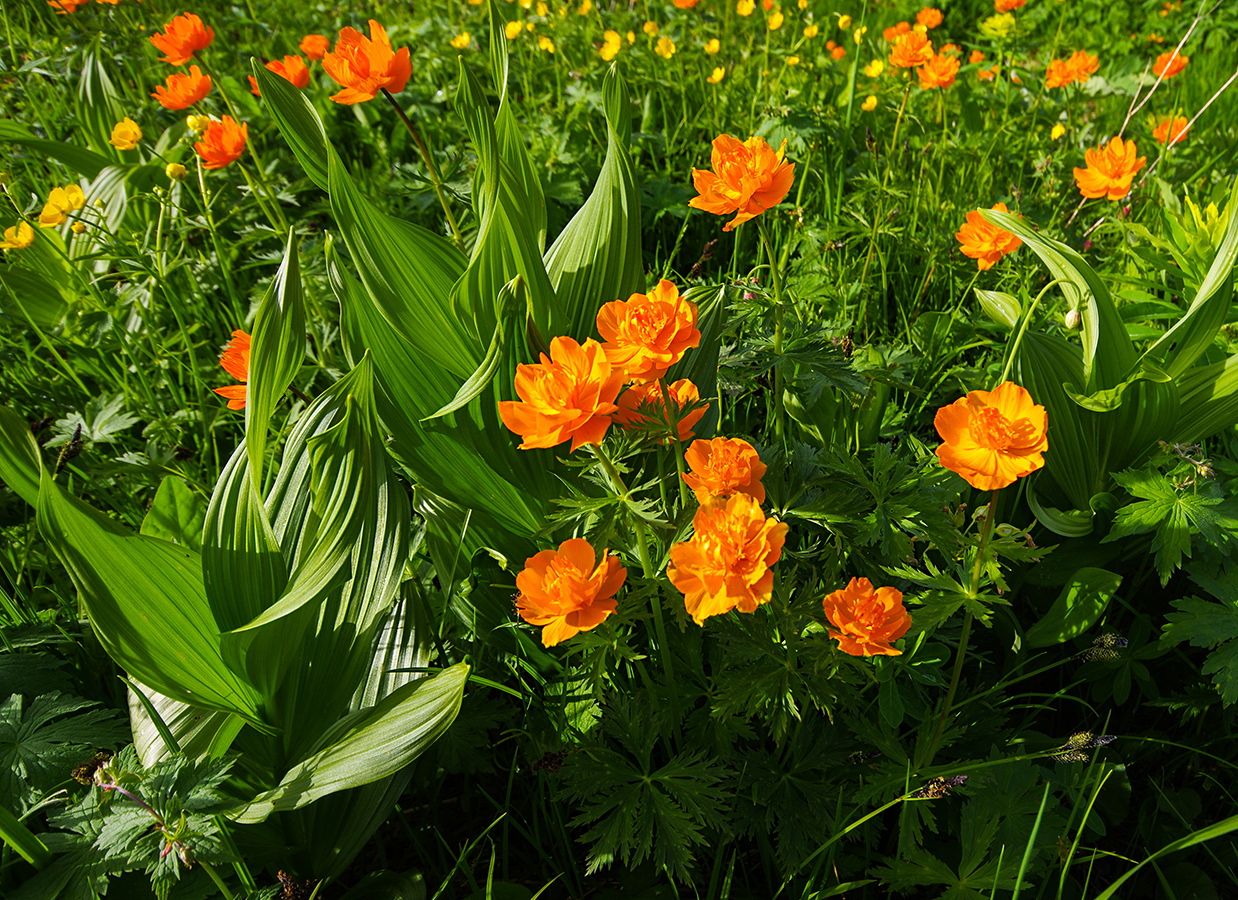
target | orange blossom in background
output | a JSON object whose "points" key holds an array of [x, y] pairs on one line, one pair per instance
{"points": [[683, 393], [985, 242], [1007, 5], [748, 178], [929, 17], [570, 395], [911, 49], [867, 620], [648, 333], [291, 68], [314, 46], [183, 91], [563, 591], [722, 467], [1168, 65], [1110, 170], [64, 7], [992, 438], [222, 143], [364, 66], [1172, 130], [890, 35], [235, 360], [1059, 74], [1083, 64], [727, 563], [938, 72], [182, 38]]}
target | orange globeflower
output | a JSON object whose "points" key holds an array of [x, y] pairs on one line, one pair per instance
{"points": [[685, 4], [722, 467], [563, 591], [183, 91], [912, 49], [1168, 65], [222, 143], [985, 242], [987, 74], [291, 68], [993, 437], [314, 46], [648, 333], [182, 38], [938, 72], [570, 395], [976, 57], [929, 17], [1173, 130], [1110, 170], [235, 360], [891, 34], [748, 178], [1007, 5], [1083, 64], [1059, 74], [364, 66], [683, 392], [64, 7], [727, 563], [867, 619]]}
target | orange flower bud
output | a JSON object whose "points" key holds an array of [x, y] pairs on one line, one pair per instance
{"points": [[235, 360], [727, 563], [992, 438], [563, 591], [723, 467], [748, 178], [570, 395], [867, 619], [683, 394], [364, 66], [222, 143], [182, 38]]}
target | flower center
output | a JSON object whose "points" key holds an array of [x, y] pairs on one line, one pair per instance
{"points": [[991, 429]]}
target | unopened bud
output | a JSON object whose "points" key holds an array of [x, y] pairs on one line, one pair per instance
{"points": [[197, 124], [1072, 319], [175, 171], [78, 227]]}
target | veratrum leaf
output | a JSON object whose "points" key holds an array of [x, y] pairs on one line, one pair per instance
{"points": [[296, 119], [1002, 308], [176, 514], [146, 602], [98, 108], [368, 745], [20, 463], [199, 733], [1209, 400], [597, 257], [1080, 604]]}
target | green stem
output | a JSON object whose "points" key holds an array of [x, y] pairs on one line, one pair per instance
{"points": [[435, 178], [1018, 339], [225, 268], [23, 840], [219, 883], [616, 481], [776, 278]]}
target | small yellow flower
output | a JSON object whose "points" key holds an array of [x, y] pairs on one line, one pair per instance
{"points": [[712, 46], [1058, 130], [631, 36], [78, 227], [126, 134], [793, 60], [650, 28], [919, 29], [802, 4], [717, 75], [543, 10], [525, 4], [197, 124], [745, 7], [545, 43], [20, 236], [529, 26], [611, 42], [844, 22], [858, 34], [810, 31], [175, 171], [586, 7], [870, 103], [512, 30], [461, 40], [665, 48], [61, 202], [774, 22], [999, 26], [874, 68]]}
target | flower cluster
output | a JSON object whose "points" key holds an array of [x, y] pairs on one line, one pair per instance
{"points": [[1079, 67]]}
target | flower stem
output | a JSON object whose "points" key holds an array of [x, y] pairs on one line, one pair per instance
{"points": [[616, 481], [776, 278], [435, 178]]}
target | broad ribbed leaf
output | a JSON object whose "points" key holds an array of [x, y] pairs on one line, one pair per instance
{"points": [[1208, 400], [20, 463], [1042, 364], [455, 533], [403, 646], [1108, 354], [199, 733], [297, 121], [368, 745], [147, 603], [24, 292], [597, 257], [1080, 604], [176, 514], [276, 353], [98, 107], [1002, 308], [1194, 333]]}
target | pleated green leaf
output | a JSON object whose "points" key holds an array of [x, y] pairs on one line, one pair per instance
{"points": [[276, 353], [1076, 609], [146, 602], [1193, 334], [199, 733], [369, 745], [597, 257], [20, 463], [1108, 354], [296, 119], [98, 106], [25, 292], [177, 514], [1208, 401]]}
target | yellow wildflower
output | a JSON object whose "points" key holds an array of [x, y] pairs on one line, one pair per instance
{"points": [[21, 235], [870, 103], [1058, 130], [810, 31], [844, 22], [461, 40], [125, 135], [512, 30], [774, 22], [874, 68], [545, 43], [611, 42], [175, 171], [859, 33], [712, 46], [717, 75], [745, 7], [650, 28], [793, 60], [665, 48]]}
